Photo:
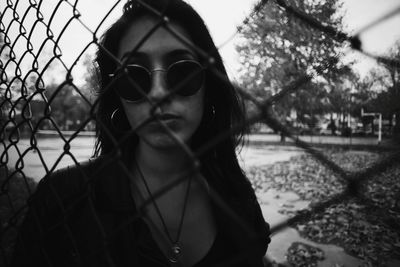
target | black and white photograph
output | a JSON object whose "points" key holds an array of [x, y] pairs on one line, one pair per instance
{"points": [[197, 133]]}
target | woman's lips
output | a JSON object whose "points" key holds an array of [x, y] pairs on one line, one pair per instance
{"points": [[168, 119]]}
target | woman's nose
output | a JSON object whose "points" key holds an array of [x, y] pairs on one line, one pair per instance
{"points": [[159, 86]]}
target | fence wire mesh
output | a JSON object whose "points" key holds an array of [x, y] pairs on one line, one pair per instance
{"points": [[26, 102]]}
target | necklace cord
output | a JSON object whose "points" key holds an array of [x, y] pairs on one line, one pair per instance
{"points": [[158, 209]]}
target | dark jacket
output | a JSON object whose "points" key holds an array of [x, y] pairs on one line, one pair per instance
{"points": [[85, 216]]}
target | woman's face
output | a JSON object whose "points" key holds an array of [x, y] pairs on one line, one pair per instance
{"points": [[181, 114]]}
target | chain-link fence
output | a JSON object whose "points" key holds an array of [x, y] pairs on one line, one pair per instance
{"points": [[26, 102]]}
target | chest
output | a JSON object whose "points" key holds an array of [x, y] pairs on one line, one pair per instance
{"points": [[201, 222], [183, 226]]}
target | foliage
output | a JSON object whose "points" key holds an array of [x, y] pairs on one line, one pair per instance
{"points": [[3, 59], [68, 108], [70, 105], [91, 82], [387, 101], [59, 107], [277, 48], [303, 255], [64, 106]]}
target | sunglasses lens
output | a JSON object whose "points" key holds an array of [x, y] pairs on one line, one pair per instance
{"points": [[130, 88], [187, 77]]}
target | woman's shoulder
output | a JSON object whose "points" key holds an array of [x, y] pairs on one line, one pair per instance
{"points": [[70, 181]]}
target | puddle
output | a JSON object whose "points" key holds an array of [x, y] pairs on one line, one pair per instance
{"points": [[271, 202]]}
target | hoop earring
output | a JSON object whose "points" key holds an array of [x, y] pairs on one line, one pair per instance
{"points": [[119, 121]]}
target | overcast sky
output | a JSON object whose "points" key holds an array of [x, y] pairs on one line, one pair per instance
{"points": [[222, 18]]}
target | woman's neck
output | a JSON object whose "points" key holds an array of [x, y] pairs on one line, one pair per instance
{"points": [[164, 163]]}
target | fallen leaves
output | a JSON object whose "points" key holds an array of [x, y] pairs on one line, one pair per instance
{"points": [[303, 255], [367, 229]]}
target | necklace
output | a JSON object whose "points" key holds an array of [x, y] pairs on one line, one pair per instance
{"points": [[175, 250]]}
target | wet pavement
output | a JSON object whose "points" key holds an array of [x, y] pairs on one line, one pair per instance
{"points": [[51, 155], [271, 202]]}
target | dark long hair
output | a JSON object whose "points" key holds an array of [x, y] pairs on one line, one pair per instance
{"points": [[219, 92]]}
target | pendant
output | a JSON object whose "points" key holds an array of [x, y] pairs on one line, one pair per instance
{"points": [[175, 253]]}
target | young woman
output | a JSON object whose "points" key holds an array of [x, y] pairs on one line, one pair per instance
{"points": [[157, 193]]}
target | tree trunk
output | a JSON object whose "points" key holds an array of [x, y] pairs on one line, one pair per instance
{"points": [[283, 138], [396, 128]]}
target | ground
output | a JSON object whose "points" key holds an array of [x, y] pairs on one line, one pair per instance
{"points": [[286, 179], [368, 231]]}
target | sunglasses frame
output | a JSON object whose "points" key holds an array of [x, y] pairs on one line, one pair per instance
{"points": [[150, 73]]}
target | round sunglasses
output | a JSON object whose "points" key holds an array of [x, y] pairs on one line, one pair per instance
{"points": [[184, 78]]}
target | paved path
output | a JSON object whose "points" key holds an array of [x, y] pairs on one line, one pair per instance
{"points": [[320, 139], [262, 149]]}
